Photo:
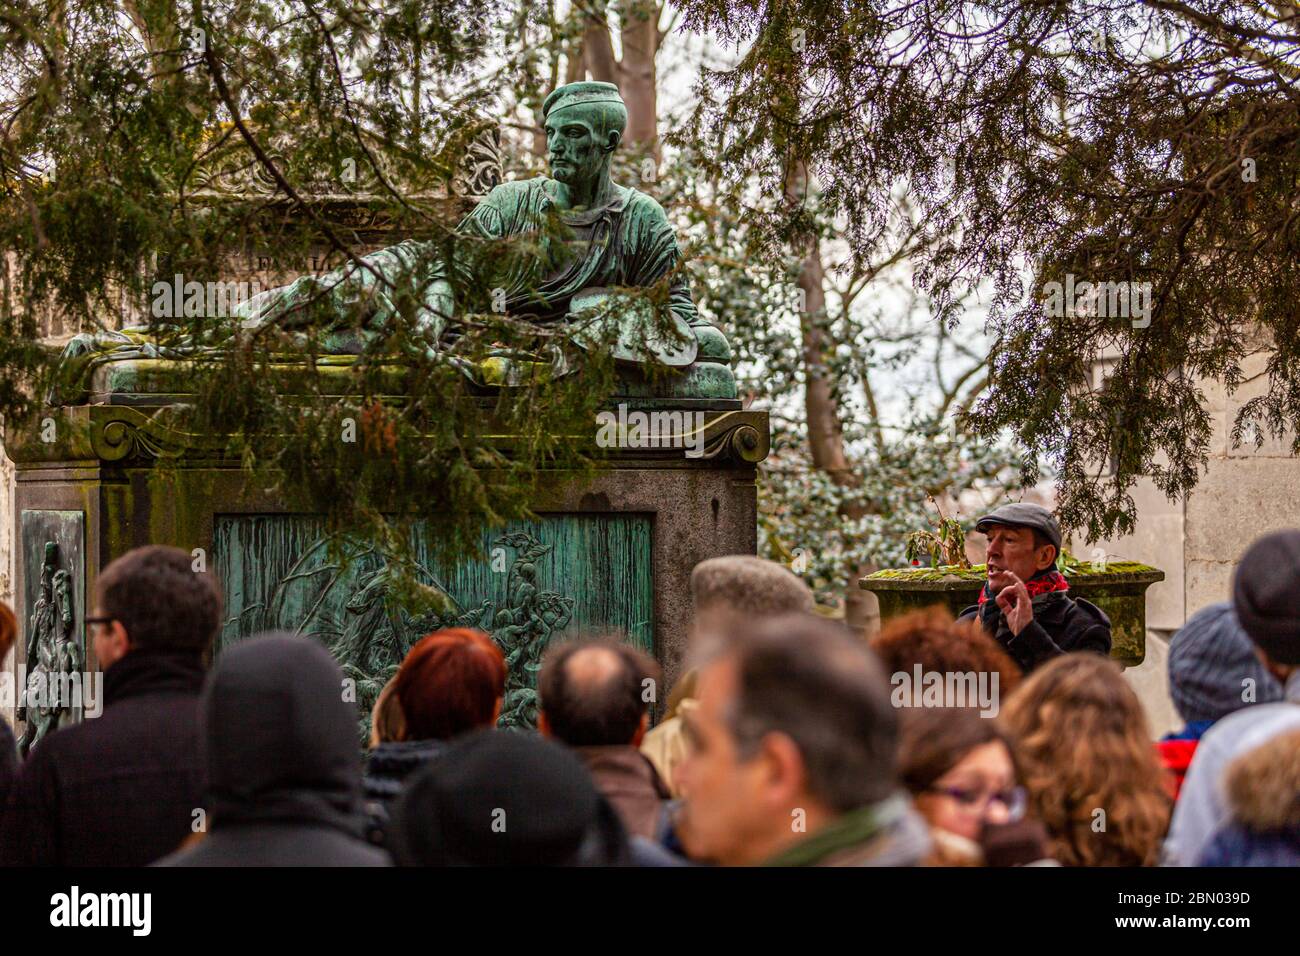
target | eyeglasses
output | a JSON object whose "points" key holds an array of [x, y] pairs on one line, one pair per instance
{"points": [[1014, 801], [101, 621]]}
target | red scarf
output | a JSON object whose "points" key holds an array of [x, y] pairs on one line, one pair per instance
{"points": [[1041, 583]]}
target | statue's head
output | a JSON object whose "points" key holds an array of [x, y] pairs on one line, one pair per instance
{"points": [[584, 125], [48, 565]]}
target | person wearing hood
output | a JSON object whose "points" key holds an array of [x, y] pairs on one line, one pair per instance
{"points": [[1263, 791], [1025, 604], [450, 683], [120, 789], [1213, 672], [284, 775], [1266, 598]]}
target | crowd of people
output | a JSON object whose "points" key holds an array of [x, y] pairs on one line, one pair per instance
{"points": [[787, 740]]}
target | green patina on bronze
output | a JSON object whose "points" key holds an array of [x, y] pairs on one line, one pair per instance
{"points": [[538, 578], [577, 250], [1118, 588], [589, 572], [53, 556], [577, 253]]}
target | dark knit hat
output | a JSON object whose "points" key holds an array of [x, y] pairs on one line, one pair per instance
{"points": [[1266, 595], [1210, 661], [505, 798]]}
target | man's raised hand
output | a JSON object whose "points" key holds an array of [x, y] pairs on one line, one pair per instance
{"points": [[1015, 604]]}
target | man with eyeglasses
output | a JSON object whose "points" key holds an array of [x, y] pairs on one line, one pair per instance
{"points": [[124, 788]]}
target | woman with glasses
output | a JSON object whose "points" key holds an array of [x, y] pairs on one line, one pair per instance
{"points": [[962, 776]]}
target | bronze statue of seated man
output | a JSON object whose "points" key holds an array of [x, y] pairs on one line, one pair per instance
{"points": [[585, 237]]}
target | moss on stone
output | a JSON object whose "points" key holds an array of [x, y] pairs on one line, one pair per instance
{"points": [[1074, 569]]}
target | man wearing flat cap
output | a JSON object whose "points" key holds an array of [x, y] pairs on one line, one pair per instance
{"points": [[1026, 604]]}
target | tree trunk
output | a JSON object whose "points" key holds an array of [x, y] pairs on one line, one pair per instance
{"points": [[825, 433], [597, 46], [640, 37], [574, 67]]}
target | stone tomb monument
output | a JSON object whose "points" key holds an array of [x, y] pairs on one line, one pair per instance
{"points": [[615, 553]]}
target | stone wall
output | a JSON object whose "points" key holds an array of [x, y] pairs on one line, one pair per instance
{"points": [[7, 550], [1244, 492]]}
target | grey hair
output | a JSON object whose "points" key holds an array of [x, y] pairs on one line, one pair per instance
{"points": [[749, 584], [807, 678]]}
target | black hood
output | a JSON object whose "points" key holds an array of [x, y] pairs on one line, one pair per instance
{"points": [[280, 738]]}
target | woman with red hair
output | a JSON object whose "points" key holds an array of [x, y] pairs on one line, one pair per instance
{"points": [[450, 683]]}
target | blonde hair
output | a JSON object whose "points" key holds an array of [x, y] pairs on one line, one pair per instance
{"points": [[387, 722], [1088, 763]]}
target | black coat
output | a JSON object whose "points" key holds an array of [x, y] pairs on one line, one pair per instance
{"points": [[282, 761], [387, 769], [119, 789], [284, 843], [1061, 625]]}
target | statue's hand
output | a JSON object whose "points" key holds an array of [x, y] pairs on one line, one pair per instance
{"points": [[272, 304], [250, 311], [436, 311]]}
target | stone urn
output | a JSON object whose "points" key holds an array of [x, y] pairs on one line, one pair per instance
{"points": [[1119, 590]]}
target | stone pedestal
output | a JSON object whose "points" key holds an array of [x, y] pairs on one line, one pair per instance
{"points": [[612, 554]]}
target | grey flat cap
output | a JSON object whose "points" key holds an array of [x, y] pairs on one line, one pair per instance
{"points": [[1022, 514]]}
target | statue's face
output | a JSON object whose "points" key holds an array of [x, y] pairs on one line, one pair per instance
{"points": [[573, 145]]}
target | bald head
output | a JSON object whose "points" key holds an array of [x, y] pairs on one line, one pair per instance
{"points": [[594, 693]]}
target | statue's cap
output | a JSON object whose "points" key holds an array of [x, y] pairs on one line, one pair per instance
{"points": [[580, 94]]}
